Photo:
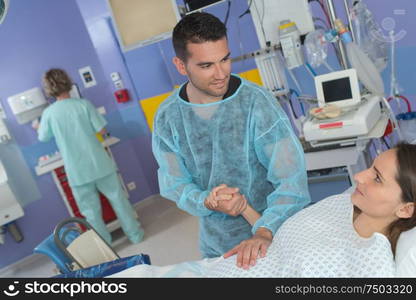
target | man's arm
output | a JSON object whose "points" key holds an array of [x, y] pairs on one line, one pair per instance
{"points": [[280, 152], [175, 181]]}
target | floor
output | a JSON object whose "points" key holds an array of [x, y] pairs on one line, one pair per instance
{"points": [[171, 236]]}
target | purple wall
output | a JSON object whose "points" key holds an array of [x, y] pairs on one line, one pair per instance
{"points": [[141, 166]]}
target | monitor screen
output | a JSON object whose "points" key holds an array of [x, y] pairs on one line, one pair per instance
{"points": [[340, 88], [337, 90], [192, 5]]}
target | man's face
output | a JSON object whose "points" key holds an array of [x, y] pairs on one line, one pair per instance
{"points": [[208, 68]]}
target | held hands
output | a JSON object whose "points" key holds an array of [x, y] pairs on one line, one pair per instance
{"points": [[227, 200], [248, 251]]}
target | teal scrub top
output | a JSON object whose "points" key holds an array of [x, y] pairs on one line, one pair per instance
{"points": [[74, 124]]}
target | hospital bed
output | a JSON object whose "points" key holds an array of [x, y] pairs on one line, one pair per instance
{"points": [[405, 261], [139, 265]]}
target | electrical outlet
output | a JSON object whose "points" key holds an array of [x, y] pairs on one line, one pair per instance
{"points": [[115, 76], [131, 186], [119, 84]]}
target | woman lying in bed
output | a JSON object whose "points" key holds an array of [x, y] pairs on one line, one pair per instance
{"points": [[341, 236]]}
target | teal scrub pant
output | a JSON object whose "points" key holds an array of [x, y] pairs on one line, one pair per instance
{"points": [[88, 201]]}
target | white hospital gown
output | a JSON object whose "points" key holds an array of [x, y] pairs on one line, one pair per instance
{"points": [[319, 241]]}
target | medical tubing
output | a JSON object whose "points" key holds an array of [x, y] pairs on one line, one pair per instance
{"points": [[385, 142], [325, 12], [294, 79], [393, 117], [310, 69], [409, 108], [228, 13], [247, 11], [295, 92], [292, 91], [292, 108]]}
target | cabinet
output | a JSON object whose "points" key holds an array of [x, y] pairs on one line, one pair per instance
{"points": [[55, 166], [61, 181]]}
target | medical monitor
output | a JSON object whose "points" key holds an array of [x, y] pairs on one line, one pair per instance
{"points": [[193, 5], [340, 88]]}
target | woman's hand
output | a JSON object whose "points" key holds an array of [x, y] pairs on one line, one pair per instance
{"points": [[227, 200], [248, 251]]}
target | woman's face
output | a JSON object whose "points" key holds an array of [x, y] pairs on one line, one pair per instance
{"points": [[378, 194]]}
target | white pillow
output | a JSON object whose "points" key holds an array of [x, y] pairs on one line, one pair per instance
{"points": [[406, 254]]}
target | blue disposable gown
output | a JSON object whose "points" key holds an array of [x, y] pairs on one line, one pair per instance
{"points": [[244, 141], [74, 124]]}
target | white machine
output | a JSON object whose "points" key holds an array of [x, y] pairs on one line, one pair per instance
{"points": [[28, 106], [289, 36], [340, 88], [358, 114], [10, 209], [267, 15]]}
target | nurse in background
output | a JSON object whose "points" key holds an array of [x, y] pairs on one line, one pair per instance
{"points": [[74, 124]]}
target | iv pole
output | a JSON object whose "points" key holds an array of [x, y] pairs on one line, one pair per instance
{"points": [[332, 17]]}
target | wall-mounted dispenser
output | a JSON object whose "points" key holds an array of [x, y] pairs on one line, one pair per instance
{"points": [[28, 105]]}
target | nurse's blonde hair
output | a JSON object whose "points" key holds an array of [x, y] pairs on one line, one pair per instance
{"points": [[56, 82]]}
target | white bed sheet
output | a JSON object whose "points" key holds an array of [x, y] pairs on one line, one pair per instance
{"points": [[191, 269]]}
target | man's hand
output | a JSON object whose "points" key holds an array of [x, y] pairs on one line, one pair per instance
{"points": [[227, 200], [248, 251], [211, 201]]}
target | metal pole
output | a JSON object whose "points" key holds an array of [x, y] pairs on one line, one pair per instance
{"points": [[332, 17], [346, 4]]}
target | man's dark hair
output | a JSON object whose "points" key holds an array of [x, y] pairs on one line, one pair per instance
{"points": [[198, 27]]}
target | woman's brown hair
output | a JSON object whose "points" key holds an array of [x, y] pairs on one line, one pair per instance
{"points": [[406, 178]]}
